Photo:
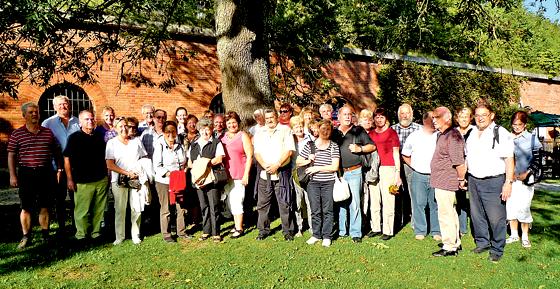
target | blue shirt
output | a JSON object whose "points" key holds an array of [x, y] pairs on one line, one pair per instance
{"points": [[61, 132], [523, 151]]}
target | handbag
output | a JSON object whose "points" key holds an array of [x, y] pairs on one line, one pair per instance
{"points": [[535, 169], [220, 174], [301, 175], [341, 189], [125, 181]]}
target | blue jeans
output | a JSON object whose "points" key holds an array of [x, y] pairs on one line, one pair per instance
{"points": [[423, 195], [488, 213], [354, 179]]}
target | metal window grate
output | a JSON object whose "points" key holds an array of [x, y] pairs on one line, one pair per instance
{"points": [[78, 99]]}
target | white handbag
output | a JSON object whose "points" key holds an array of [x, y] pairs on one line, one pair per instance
{"points": [[341, 189]]}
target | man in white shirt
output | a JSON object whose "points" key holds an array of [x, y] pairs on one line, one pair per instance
{"points": [[490, 166], [274, 146], [417, 153]]}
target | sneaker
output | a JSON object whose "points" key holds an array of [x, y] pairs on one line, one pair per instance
{"points": [[312, 240], [25, 241], [512, 240], [117, 242], [419, 237], [136, 241], [299, 234], [437, 237], [526, 243], [326, 243]]}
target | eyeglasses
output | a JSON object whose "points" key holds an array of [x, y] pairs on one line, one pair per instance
{"points": [[160, 117], [484, 115]]}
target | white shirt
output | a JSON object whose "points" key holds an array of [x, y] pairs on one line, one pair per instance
{"points": [[420, 147], [126, 156], [272, 143], [482, 160]]}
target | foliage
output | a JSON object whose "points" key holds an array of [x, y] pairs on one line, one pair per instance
{"points": [[245, 262], [41, 38], [430, 86]]}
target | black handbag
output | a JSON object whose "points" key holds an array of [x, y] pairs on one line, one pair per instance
{"points": [[125, 181], [303, 178], [220, 174]]}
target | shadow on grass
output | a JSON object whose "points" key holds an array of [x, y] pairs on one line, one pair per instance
{"points": [[544, 209]]}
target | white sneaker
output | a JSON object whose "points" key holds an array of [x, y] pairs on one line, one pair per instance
{"points": [[512, 240], [312, 240], [326, 242], [526, 243], [136, 241], [419, 237], [117, 242]]}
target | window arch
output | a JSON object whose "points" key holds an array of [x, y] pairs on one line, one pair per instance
{"points": [[337, 102], [78, 99], [217, 104]]}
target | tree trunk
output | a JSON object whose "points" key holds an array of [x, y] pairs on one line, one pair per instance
{"points": [[243, 55]]}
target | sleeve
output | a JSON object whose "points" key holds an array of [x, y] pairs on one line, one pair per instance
{"points": [[335, 151], [364, 138], [157, 159], [304, 153], [395, 143], [408, 145], [220, 149], [110, 150], [289, 140], [13, 143], [456, 147]]}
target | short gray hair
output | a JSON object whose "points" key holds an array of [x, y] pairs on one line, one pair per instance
{"points": [[203, 123], [59, 98], [27, 105]]}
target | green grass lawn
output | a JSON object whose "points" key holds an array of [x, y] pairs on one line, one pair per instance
{"points": [[401, 262]]}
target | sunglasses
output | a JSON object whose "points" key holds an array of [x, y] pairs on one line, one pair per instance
{"points": [[284, 111]]}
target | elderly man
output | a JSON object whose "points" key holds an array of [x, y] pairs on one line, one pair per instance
{"points": [[491, 167], [404, 128], [31, 148], [448, 176], [353, 142], [62, 125], [274, 146], [417, 153], [150, 135], [148, 114], [219, 126], [86, 172]]}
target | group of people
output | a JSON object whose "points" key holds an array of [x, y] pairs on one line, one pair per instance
{"points": [[197, 166]]}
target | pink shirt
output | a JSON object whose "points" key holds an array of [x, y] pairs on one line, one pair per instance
{"points": [[235, 155]]}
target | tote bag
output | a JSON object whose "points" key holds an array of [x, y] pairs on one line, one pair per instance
{"points": [[341, 190]]}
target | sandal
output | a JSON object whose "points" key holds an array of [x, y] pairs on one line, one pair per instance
{"points": [[237, 234], [204, 237], [216, 239]]}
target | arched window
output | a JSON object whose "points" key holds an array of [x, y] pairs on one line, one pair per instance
{"points": [[78, 99], [337, 102], [217, 104]]}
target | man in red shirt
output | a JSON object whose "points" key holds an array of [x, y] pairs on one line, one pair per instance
{"points": [[31, 149]]}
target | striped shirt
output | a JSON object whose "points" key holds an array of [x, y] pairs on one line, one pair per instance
{"points": [[322, 158], [33, 150], [404, 132]]}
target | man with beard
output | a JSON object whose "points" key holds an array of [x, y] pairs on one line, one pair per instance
{"points": [[62, 125], [404, 128]]}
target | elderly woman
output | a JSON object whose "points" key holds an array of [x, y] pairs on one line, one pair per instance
{"points": [[320, 188], [238, 160], [463, 117], [107, 128], [169, 156], [518, 206], [300, 139], [122, 155], [203, 154], [191, 134]]}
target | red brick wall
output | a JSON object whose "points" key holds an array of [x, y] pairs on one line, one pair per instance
{"points": [[541, 96]]}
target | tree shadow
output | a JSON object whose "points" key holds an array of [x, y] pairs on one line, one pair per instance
{"points": [[545, 213]]}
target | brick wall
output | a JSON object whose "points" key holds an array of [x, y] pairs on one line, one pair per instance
{"points": [[199, 79]]}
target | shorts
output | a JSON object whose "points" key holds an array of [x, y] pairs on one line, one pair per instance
{"points": [[36, 187]]}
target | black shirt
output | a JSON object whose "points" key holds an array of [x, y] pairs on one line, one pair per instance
{"points": [[356, 135], [87, 156]]}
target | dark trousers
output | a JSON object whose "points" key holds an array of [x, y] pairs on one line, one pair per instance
{"points": [[209, 198], [322, 211], [488, 213], [264, 198], [61, 193]]}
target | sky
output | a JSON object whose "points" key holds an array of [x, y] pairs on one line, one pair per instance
{"points": [[550, 6]]}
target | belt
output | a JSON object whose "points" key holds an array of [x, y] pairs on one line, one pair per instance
{"points": [[489, 177], [352, 168], [34, 168]]}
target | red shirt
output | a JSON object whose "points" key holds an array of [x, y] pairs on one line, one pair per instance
{"points": [[385, 143], [33, 150]]}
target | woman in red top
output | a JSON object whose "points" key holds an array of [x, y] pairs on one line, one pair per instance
{"points": [[238, 160], [387, 142]]}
